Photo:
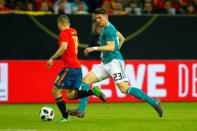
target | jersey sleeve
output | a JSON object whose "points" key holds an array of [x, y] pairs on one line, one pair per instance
{"points": [[64, 37], [110, 35]]}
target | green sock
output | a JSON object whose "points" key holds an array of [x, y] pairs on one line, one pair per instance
{"points": [[83, 101], [138, 93]]}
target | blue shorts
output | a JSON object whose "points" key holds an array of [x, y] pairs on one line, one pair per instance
{"points": [[69, 78]]}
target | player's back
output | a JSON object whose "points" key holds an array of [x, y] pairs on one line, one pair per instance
{"points": [[69, 57]]}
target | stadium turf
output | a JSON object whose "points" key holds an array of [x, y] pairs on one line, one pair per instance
{"points": [[103, 116]]}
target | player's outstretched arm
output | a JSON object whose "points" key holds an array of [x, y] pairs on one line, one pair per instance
{"points": [[121, 39], [109, 47], [57, 54]]}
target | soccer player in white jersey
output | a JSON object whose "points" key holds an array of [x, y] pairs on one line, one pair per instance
{"points": [[112, 66]]}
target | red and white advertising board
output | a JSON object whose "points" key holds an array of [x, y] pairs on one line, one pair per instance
{"points": [[31, 82]]}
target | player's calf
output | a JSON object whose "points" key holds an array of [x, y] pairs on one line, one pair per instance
{"points": [[57, 92], [70, 94], [77, 94], [84, 93]]}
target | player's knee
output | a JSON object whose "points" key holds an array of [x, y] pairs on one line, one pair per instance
{"points": [[123, 87], [54, 92], [70, 96], [123, 90]]}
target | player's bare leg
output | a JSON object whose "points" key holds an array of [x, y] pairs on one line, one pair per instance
{"points": [[123, 86], [138, 93], [90, 78], [87, 80], [70, 94], [57, 93]]}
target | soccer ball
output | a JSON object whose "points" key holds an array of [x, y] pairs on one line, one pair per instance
{"points": [[46, 113]]}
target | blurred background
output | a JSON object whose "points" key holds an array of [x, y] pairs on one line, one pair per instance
{"points": [[159, 48], [160, 58]]}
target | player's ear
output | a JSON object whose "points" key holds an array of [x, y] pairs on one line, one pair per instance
{"points": [[106, 16]]}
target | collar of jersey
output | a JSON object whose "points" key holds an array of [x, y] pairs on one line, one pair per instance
{"points": [[106, 25]]}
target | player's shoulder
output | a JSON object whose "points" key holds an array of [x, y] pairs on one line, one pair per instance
{"points": [[109, 28], [63, 32], [72, 31], [69, 31]]}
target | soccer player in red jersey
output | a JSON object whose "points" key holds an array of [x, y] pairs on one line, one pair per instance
{"points": [[70, 77]]}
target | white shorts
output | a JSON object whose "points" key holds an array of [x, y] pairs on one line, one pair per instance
{"points": [[114, 69]]}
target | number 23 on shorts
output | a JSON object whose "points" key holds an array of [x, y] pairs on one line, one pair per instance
{"points": [[117, 76]]}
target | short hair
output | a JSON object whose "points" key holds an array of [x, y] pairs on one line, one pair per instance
{"points": [[101, 11], [63, 19]]}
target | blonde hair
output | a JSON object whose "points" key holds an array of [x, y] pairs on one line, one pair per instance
{"points": [[63, 19]]}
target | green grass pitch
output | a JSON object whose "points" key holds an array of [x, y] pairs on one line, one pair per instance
{"points": [[103, 117]]}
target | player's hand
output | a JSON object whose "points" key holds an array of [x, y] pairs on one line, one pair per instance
{"points": [[49, 63], [88, 50]]}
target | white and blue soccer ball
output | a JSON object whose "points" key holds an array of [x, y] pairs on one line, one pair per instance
{"points": [[47, 113]]}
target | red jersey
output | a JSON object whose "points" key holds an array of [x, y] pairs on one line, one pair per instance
{"points": [[69, 57]]}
